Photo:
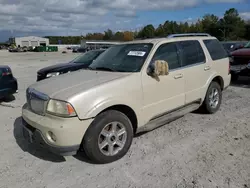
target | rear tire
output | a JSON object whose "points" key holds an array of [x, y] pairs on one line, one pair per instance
{"points": [[108, 138], [212, 101]]}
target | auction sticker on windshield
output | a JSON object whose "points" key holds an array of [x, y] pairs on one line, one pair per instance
{"points": [[137, 53]]}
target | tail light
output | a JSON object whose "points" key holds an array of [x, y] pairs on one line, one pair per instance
{"points": [[7, 72]]}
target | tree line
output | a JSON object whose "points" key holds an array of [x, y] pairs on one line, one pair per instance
{"points": [[230, 27]]}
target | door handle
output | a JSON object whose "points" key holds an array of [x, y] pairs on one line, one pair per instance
{"points": [[207, 68], [178, 76]]}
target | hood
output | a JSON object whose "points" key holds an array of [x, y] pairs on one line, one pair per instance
{"points": [[54, 68], [67, 85], [241, 52]]}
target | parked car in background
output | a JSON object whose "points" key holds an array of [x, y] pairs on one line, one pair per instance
{"points": [[80, 62], [18, 49], [75, 49], [8, 83], [82, 50], [231, 46], [132, 87], [240, 62]]}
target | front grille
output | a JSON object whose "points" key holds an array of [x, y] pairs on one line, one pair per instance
{"points": [[240, 60], [36, 101]]}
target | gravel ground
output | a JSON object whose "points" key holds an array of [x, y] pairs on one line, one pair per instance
{"points": [[192, 152]]}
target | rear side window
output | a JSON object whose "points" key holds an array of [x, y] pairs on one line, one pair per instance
{"points": [[215, 49], [191, 52]]}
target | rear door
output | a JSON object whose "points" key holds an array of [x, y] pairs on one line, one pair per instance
{"points": [[219, 57], [196, 69]]}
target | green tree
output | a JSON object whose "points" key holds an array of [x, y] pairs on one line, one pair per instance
{"points": [[160, 31], [108, 35], [233, 25], [209, 24], [247, 30], [147, 32], [118, 36]]}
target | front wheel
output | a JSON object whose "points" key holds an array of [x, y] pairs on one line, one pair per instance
{"points": [[109, 137], [213, 98]]}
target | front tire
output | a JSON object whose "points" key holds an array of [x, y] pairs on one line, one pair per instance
{"points": [[108, 138], [213, 98]]}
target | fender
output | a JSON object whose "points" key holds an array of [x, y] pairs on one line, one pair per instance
{"points": [[109, 102]]}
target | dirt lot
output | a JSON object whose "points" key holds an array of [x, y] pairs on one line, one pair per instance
{"points": [[193, 152]]}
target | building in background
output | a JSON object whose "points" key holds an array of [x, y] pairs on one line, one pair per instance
{"points": [[30, 41]]}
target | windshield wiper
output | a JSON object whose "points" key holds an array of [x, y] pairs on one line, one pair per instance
{"points": [[104, 68]]}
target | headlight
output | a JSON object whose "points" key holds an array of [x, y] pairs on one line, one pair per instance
{"points": [[52, 74], [60, 108]]}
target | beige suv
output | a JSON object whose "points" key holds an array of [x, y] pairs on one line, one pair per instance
{"points": [[132, 87]]}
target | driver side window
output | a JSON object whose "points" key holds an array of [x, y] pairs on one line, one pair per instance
{"points": [[168, 52]]}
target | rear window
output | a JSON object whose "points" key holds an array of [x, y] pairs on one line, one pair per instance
{"points": [[215, 49]]}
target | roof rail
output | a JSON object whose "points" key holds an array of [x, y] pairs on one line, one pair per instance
{"points": [[189, 35]]}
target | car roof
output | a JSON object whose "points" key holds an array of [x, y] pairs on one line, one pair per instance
{"points": [[165, 39], [4, 67]]}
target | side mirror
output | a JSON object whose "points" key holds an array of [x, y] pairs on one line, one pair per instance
{"points": [[158, 68]]}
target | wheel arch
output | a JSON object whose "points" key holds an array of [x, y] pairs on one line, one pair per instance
{"points": [[219, 80], [213, 78], [126, 109]]}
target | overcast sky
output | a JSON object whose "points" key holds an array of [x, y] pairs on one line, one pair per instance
{"points": [[75, 17]]}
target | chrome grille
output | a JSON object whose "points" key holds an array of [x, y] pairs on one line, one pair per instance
{"points": [[37, 101]]}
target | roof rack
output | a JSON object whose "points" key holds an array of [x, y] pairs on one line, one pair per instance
{"points": [[189, 35]]}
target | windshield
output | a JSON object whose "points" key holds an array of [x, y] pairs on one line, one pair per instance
{"points": [[87, 57], [247, 45], [228, 46], [123, 58]]}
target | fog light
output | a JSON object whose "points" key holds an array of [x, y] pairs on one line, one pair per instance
{"points": [[51, 136]]}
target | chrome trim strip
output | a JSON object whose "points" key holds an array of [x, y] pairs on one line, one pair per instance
{"points": [[187, 66]]}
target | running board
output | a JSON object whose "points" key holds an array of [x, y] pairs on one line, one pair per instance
{"points": [[171, 116]]}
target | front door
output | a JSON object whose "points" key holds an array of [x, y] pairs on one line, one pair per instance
{"points": [[167, 93]]}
